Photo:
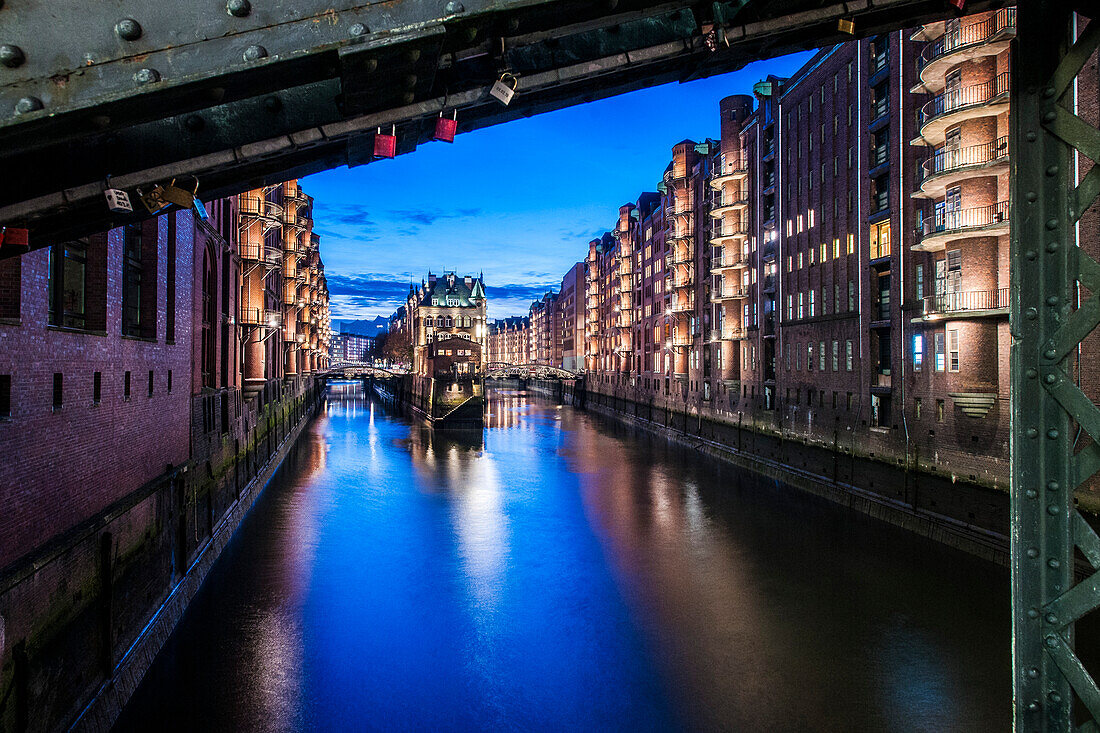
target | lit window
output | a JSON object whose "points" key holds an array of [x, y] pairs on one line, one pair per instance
{"points": [[953, 350], [918, 352]]}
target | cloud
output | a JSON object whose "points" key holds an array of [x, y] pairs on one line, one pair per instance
{"points": [[516, 291], [427, 217]]}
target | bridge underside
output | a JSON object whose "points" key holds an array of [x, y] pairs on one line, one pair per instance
{"points": [[242, 93]]}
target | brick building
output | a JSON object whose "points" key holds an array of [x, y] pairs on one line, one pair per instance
{"points": [[510, 340], [571, 319], [545, 346], [446, 307]]}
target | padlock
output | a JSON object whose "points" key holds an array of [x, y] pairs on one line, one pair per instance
{"points": [[118, 201], [501, 91], [846, 25], [385, 146], [180, 196], [445, 129], [154, 201], [200, 209], [14, 237]]}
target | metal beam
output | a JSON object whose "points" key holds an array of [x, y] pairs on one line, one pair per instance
{"points": [[240, 93], [1048, 323]]}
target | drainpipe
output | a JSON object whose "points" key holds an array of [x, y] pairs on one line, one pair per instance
{"points": [[901, 239]]}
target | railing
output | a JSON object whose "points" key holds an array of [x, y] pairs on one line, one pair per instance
{"points": [[737, 197], [683, 254], [881, 379], [769, 181], [273, 254], [727, 259], [728, 333], [725, 229], [949, 221], [971, 34], [880, 107], [731, 163], [963, 97], [260, 317], [968, 300], [682, 340], [878, 250], [946, 161], [724, 293], [255, 206], [681, 278], [683, 305]]}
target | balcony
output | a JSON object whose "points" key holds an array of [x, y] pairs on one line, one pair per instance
{"points": [[682, 340], [683, 254], [878, 156], [728, 261], [881, 381], [947, 167], [681, 277], [728, 333], [956, 105], [681, 304], [987, 37], [734, 201], [725, 232], [735, 167], [260, 208], [718, 295], [260, 318], [966, 304], [934, 232]]}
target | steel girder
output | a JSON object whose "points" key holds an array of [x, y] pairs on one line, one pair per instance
{"points": [[1055, 305], [242, 93]]}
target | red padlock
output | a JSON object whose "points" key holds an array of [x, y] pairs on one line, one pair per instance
{"points": [[14, 237], [445, 129], [385, 146]]}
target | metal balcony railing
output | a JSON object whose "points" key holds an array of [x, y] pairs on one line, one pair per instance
{"points": [[727, 333], [727, 259], [962, 97], [259, 207], [946, 161], [683, 254], [260, 317], [959, 219], [729, 164], [966, 300], [682, 340], [972, 34], [683, 305], [726, 229]]}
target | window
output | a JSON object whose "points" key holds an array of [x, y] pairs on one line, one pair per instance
{"points": [[810, 357], [67, 285], [788, 356], [821, 358], [836, 363], [918, 352], [851, 295], [953, 350], [940, 357], [5, 395], [150, 382], [801, 313], [798, 357], [848, 358], [58, 391], [880, 239], [126, 386], [920, 282], [97, 387], [836, 297], [813, 309], [851, 243], [940, 410], [916, 407], [11, 285], [170, 286], [131, 281]]}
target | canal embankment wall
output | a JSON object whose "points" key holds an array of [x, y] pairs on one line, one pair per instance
{"points": [[966, 514], [85, 614]]}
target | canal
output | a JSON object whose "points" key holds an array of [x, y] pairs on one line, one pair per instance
{"points": [[560, 571]]}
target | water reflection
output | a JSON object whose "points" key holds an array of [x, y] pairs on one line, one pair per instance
{"points": [[557, 571]]}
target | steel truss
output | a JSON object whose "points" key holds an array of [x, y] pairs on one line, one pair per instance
{"points": [[1055, 305]]}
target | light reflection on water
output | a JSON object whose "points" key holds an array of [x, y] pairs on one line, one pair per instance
{"points": [[560, 572]]}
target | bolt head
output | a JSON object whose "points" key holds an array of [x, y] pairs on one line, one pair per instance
{"points": [[453, 7], [1032, 433], [11, 56], [238, 8], [1031, 314], [1053, 434], [128, 29], [1052, 641], [1052, 486], [255, 53], [28, 104], [1050, 116], [146, 76], [1033, 552], [358, 29]]}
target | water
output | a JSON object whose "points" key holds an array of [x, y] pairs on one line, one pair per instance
{"points": [[562, 572]]}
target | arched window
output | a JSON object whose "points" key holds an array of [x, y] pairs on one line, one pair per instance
{"points": [[428, 322], [450, 322]]}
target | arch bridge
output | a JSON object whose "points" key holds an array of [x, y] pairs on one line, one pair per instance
{"points": [[501, 370], [356, 370]]}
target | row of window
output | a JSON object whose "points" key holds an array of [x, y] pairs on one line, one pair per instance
{"points": [[59, 389]]}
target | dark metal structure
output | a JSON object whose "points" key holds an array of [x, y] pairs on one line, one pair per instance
{"points": [[501, 370], [1056, 427], [241, 93]]}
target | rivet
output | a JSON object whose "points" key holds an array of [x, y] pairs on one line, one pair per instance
{"points": [[11, 56], [1052, 641], [1050, 353], [413, 55], [1033, 706], [1032, 433], [1053, 486], [28, 104], [1032, 372], [194, 123], [254, 53], [1031, 254], [273, 104], [1049, 116], [1052, 224], [1052, 300], [1052, 510], [146, 76], [1032, 196], [1052, 247], [1055, 697], [1054, 563], [1050, 618], [1033, 552], [1033, 613], [1031, 493], [1052, 434], [1031, 137], [408, 98], [1033, 673], [1057, 587], [238, 8], [1049, 379], [1032, 314], [453, 7], [1048, 92], [371, 65], [128, 29], [358, 29], [1052, 170]]}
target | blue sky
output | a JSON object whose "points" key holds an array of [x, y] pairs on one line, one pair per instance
{"points": [[518, 201]]}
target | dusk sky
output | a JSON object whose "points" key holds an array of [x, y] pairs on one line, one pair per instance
{"points": [[518, 201]]}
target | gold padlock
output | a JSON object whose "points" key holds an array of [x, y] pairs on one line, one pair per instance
{"points": [[179, 196], [154, 201]]}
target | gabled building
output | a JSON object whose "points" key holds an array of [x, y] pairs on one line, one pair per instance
{"points": [[446, 307]]}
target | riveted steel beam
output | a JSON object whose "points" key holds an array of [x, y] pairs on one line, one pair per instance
{"points": [[237, 92], [1048, 407]]}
